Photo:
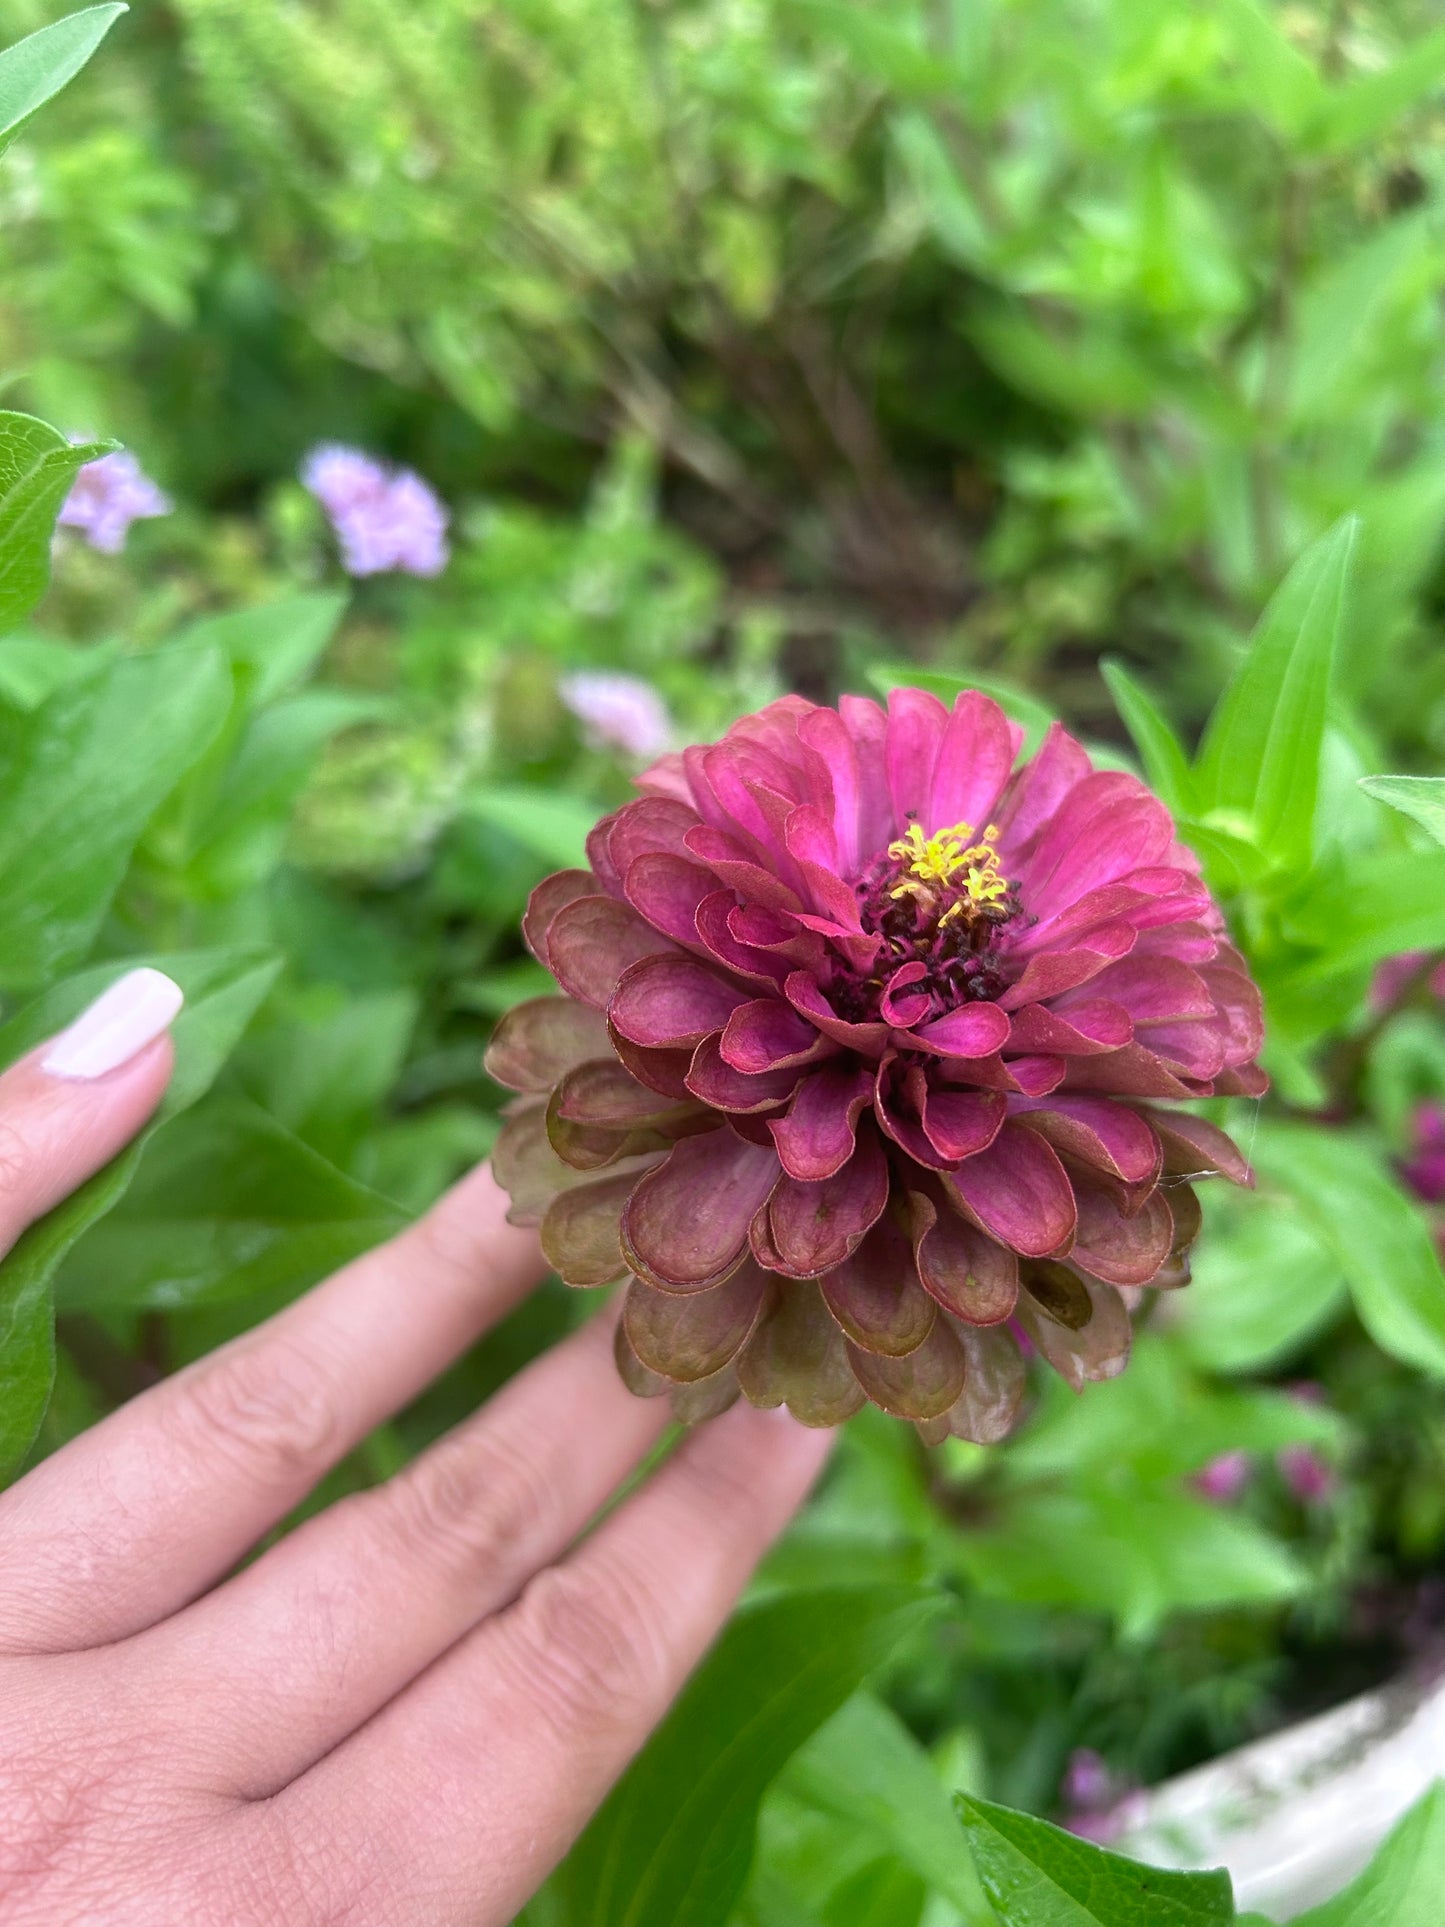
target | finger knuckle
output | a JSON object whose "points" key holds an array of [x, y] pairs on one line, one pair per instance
{"points": [[270, 1409], [591, 1651], [468, 1504]]}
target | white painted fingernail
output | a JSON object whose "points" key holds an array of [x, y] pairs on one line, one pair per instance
{"points": [[118, 1025]]}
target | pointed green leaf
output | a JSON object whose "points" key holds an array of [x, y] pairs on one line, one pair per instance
{"points": [[223, 989], [1420, 797], [1160, 751], [1036, 1875], [1403, 1884], [1262, 750], [673, 1844], [37, 467], [1369, 108], [273, 646], [1275, 78], [35, 69], [82, 775]]}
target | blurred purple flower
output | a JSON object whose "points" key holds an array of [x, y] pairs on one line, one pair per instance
{"points": [[107, 496], [1424, 1169], [1306, 1474], [1394, 974], [384, 518], [618, 712], [1098, 1806], [1224, 1478], [1088, 1784]]}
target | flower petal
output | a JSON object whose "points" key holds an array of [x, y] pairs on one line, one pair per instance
{"points": [[552, 895], [686, 1223], [1193, 1147], [581, 1232], [593, 941], [876, 1297], [708, 1398], [1132, 1072], [671, 1003], [712, 1079], [960, 1124], [1018, 1192], [666, 890], [1082, 1030], [994, 1379], [653, 823], [970, 1275], [916, 725], [922, 1385], [1094, 1351], [806, 997], [973, 1030], [538, 1041], [797, 1357], [691, 1337], [767, 1035], [1096, 1131], [1121, 1249], [1154, 990], [816, 1136], [1052, 972], [814, 1226], [974, 759]]}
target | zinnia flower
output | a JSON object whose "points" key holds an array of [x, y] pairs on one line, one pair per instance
{"points": [[856, 1064], [384, 518], [107, 496]]}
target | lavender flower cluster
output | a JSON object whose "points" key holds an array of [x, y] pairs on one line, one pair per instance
{"points": [[107, 496], [384, 518]]}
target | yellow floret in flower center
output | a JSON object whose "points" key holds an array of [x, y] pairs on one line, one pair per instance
{"points": [[947, 863]]}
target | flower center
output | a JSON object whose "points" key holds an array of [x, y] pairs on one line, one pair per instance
{"points": [[941, 900]]}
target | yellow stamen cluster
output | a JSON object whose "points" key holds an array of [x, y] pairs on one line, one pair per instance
{"points": [[947, 857]]}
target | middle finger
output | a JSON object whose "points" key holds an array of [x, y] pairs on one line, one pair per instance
{"points": [[299, 1650]]}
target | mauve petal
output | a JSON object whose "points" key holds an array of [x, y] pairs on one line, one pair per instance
{"points": [[713, 921], [1121, 1249], [1191, 943], [1244, 1080], [970, 1275], [603, 1091], [1018, 1192], [994, 1379], [867, 725], [1096, 1131], [692, 1337], [538, 1041], [667, 777], [1193, 1147], [663, 1071], [581, 1232], [1095, 1351], [734, 865], [973, 1030], [767, 1035], [530, 1171], [1155, 989], [1239, 1003], [876, 1298], [1123, 837], [922, 1385], [1131, 1072], [814, 1226], [552, 895], [1196, 1047], [916, 725], [826, 734], [974, 759], [593, 941], [1040, 787], [898, 1097], [1037, 1076], [901, 1003], [1029, 1076], [1084, 1030], [593, 1147], [715, 1082], [961, 1124], [816, 1137], [608, 878], [1053, 972], [666, 890], [708, 1398], [652, 825], [797, 1357], [686, 1223], [806, 997], [671, 1003], [755, 928]]}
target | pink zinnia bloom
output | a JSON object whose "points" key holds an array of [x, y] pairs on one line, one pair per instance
{"points": [[107, 496], [856, 1067], [1224, 1478], [1424, 1169], [618, 712]]}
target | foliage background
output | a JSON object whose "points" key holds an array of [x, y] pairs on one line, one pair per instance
{"points": [[763, 344]]}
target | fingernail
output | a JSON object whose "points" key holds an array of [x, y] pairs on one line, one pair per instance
{"points": [[118, 1025]]}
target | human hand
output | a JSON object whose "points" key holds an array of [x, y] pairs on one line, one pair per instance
{"points": [[404, 1711]]}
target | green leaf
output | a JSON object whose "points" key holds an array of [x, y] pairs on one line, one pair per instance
{"points": [[1160, 750], [273, 647], [228, 1205], [82, 775], [37, 467], [1369, 908], [867, 1768], [1276, 79], [884, 1894], [1263, 1283], [1419, 797], [1369, 108], [1375, 1233], [1262, 750], [1402, 1885], [673, 1844], [1036, 1875], [223, 989], [35, 69], [552, 827]]}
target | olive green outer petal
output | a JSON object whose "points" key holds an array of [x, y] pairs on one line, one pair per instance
{"points": [[1098, 1349], [797, 1358], [538, 1041], [921, 1386], [995, 1377], [581, 1232], [692, 1336]]}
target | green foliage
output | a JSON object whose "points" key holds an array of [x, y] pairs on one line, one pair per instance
{"points": [[37, 467], [1402, 1884], [36, 68]]}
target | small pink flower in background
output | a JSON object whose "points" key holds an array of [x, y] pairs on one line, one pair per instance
{"points": [[1306, 1474], [1394, 974], [1098, 1806], [1088, 1783], [385, 519], [1224, 1478], [107, 496], [1424, 1169], [618, 712]]}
